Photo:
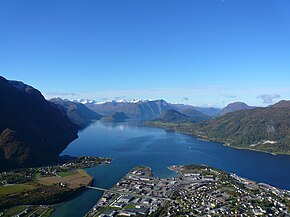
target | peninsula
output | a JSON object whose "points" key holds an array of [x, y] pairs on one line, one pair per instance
{"points": [[199, 190], [44, 186]]}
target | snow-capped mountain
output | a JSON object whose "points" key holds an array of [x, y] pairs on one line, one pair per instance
{"points": [[129, 101], [91, 101], [84, 101]]}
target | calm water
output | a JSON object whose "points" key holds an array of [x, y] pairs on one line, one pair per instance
{"points": [[131, 144]]}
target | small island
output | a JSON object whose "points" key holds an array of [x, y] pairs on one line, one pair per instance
{"points": [[116, 117], [44, 186], [199, 190]]}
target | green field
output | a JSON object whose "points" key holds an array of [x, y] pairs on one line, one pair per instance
{"points": [[67, 173], [15, 188], [130, 206]]}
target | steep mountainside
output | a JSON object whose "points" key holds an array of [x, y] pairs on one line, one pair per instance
{"points": [[77, 112], [32, 131], [235, 106], [262, 129]]}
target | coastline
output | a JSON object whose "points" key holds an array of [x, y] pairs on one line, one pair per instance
{"points": [[231, 146]]}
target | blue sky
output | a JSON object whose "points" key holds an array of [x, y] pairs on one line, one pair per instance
{"points": [[200, 52]]}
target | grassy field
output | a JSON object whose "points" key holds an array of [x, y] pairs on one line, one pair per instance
{"points": [[44, 190], [67, 173], [10, 189], [73, 180], [130, 206]]}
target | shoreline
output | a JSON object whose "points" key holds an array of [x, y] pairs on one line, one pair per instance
{"points": [[231, 146]]}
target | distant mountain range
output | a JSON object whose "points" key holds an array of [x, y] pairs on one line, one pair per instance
{"points": [[152, 109], [263, 129], [91, 101], [148, 109], [32, 130]]}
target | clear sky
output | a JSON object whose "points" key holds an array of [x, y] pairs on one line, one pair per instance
{"points": [[201, 52]]}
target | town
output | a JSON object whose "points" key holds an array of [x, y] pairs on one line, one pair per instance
{"points": [[198, 191], [138, 193]]}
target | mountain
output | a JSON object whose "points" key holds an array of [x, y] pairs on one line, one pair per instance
{"points": [[77, 112], [175, 117], [117, 117], [262, 129], [146, 110], [282, 104], [235, 106], [32, 131]]}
